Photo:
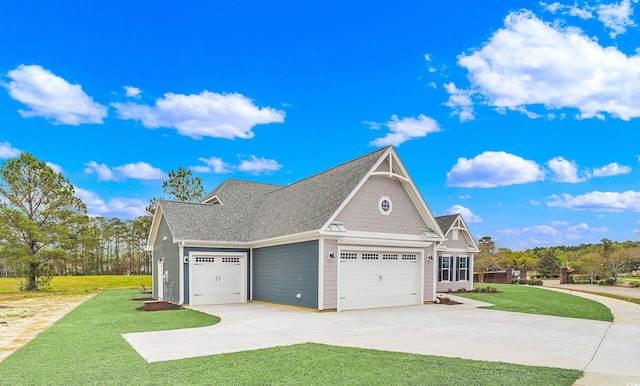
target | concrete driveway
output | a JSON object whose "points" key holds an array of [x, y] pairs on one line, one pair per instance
{"points": [[462, 331]]}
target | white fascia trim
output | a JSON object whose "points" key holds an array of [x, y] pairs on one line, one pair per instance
{"points": [[454, 250], [212, 243], [155, 225], [384, 243], [288, 239], [211, 200], [357, 188], [390, 236]]}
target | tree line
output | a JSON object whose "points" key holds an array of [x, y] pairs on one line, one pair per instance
{"points": [[45, 230], [605, 260]]}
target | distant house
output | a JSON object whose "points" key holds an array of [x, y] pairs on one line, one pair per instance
{"points": [[359, 235]]}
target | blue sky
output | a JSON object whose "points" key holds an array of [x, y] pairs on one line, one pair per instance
{"points": [[523, 116]]}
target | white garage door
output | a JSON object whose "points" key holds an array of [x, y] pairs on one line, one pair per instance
{"points": [[379, 279], [218, 279]]}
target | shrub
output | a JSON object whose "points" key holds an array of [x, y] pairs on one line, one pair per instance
{"points": [[610, 281], [577, 278], [601, 282], [461, 290], [635, 284], [585, 282], [535, 282], [486, 290]]}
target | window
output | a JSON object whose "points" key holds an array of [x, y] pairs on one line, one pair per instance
{"points": [[390, 256], [348, 255], [463, 268], [369, 256], [444, 268], [384, 205]]}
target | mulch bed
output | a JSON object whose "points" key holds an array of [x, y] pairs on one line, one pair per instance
{"points": [[147, 299], [160, 306], [448, 302]]}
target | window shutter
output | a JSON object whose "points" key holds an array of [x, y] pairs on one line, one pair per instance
{"points": [[457, 268], [468, 266], [439, 268]]}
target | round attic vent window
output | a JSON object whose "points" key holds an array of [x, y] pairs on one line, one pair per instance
{"points": [[384, 205]]}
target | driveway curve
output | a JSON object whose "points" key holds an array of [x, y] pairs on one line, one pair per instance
{"points": [[609, 353]]}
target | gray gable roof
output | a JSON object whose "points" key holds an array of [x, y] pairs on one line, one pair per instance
{"points": [[231, 220], [308, 204], [445, 222], [250, 211]]}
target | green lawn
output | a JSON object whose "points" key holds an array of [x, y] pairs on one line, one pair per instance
{"points": [[533, 300], [86, 347], [75, 285]]}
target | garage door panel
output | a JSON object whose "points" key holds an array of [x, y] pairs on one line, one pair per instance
{"points": [[374, 279], [218, 280]]}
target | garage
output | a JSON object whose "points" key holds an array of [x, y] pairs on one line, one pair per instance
{"points": [[370, 279], [218, 278]]}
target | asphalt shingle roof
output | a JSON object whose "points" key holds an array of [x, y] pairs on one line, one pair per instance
{"points": [[445, 222], [251, 211]]}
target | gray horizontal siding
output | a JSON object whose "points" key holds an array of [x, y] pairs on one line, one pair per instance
{"points": [[167, 250], [283, 271]]}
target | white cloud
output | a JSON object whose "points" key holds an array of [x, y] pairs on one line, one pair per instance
{"points": [[534, 202], [612, 169], [466, 213], [372, 125], [132, 92], [52, 97], [427, 57], [539, 230], [402, 130], [460, 101], [565, 171], [215, 164], [530, 62], [465, 197], [572, 10], [56, 168], [258, 165], [598, 201], [103, 171], [123, 208], [140, 171], [491, 169], [7, 151], [206, 114], [585, 227], [557, 223], [616, 17]]}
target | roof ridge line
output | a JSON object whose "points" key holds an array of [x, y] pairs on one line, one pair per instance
{"points": [[330, 169]]}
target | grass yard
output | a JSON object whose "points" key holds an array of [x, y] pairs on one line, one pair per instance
{"points": [[75, 285], [532, 300], [86, 347]]}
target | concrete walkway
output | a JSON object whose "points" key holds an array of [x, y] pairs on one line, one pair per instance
{"points": [[608, 352]]}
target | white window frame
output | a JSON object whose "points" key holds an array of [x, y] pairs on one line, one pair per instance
{"points": [[466, 268], [388, 200]]}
